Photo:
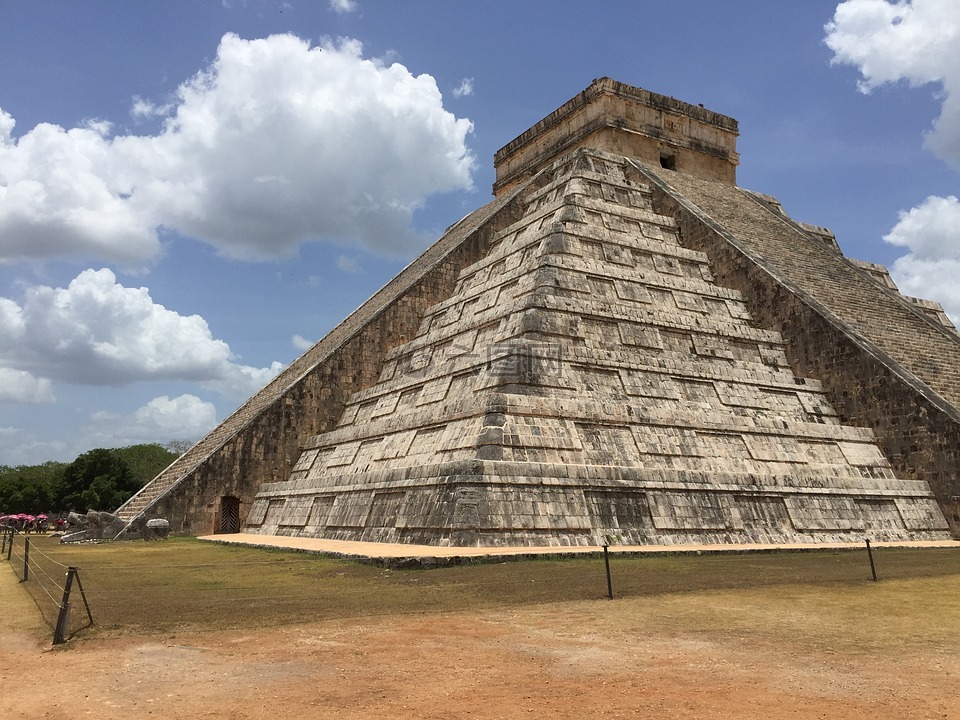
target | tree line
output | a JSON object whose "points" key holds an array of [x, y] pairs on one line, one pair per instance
{"points": [[101, 479]]}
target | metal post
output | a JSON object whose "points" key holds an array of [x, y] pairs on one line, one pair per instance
{"points": [[4, 548], [60, 631], [10, 546], [873, 569], [606, 561], [26, 558]]}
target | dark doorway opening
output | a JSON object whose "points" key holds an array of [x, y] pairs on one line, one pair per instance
{"points": [[668, 162], [229, 515]]}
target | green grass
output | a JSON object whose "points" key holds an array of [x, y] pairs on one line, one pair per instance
{"points": [[184, 583]]}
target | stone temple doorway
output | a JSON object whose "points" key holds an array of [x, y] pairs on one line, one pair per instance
{"points": [[229, 519]]}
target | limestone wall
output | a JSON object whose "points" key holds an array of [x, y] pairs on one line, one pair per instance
{"points": [[882, 364]]}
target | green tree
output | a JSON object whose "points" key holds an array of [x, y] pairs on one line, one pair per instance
{"points": [[145, 461], [98, 479], [29, 488]]}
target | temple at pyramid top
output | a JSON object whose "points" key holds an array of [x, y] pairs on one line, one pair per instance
{"points": [[623, 346], [625, 120]]}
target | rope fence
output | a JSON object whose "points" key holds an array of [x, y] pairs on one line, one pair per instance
{"points": [[49, 582], [185, 583]]}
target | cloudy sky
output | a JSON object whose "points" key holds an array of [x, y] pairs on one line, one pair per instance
{"points": [[194, 191]]}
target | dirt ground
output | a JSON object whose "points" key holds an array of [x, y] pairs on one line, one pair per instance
{"points": [[573, 660]]}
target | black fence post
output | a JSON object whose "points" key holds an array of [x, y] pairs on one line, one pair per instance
{"points": [[4, 548], [10, 546], [873, 568], [60, 631], [606, 561], [26, 558]]}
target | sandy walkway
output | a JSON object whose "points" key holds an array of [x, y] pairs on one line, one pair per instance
{"points": [[344, 548]]}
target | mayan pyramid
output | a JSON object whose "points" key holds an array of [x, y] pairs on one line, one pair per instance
{"points": [[622, 347]]}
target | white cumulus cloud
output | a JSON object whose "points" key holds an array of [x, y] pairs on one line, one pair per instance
{"points": [[160, 420], [931, 230], [931, 268], [916, 42], [22, 387], [301, 343], [60, 195], [98, 332], [274, 144]]}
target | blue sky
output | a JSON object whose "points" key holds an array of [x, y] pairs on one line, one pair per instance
{"points": [[193, 191]]}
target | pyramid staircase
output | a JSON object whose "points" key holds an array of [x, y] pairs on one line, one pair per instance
{"points": [[140, 502], [588, 380]]}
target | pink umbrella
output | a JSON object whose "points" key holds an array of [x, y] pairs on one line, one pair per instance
{"points": [[30, 518], [22, 516], [41, 516]]}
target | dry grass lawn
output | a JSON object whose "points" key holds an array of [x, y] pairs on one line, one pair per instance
{"points": [[190, 630]]}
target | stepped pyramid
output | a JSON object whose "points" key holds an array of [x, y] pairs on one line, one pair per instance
{"points": [[622, 347]]}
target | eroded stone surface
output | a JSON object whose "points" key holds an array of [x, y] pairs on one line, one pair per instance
{"points": [[588, 380]]}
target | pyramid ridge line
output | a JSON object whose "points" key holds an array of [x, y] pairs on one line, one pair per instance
{"points": [[905, 302]]}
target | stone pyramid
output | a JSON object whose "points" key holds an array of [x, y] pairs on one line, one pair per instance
{"points": [[623, 347], [587, 380]]}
